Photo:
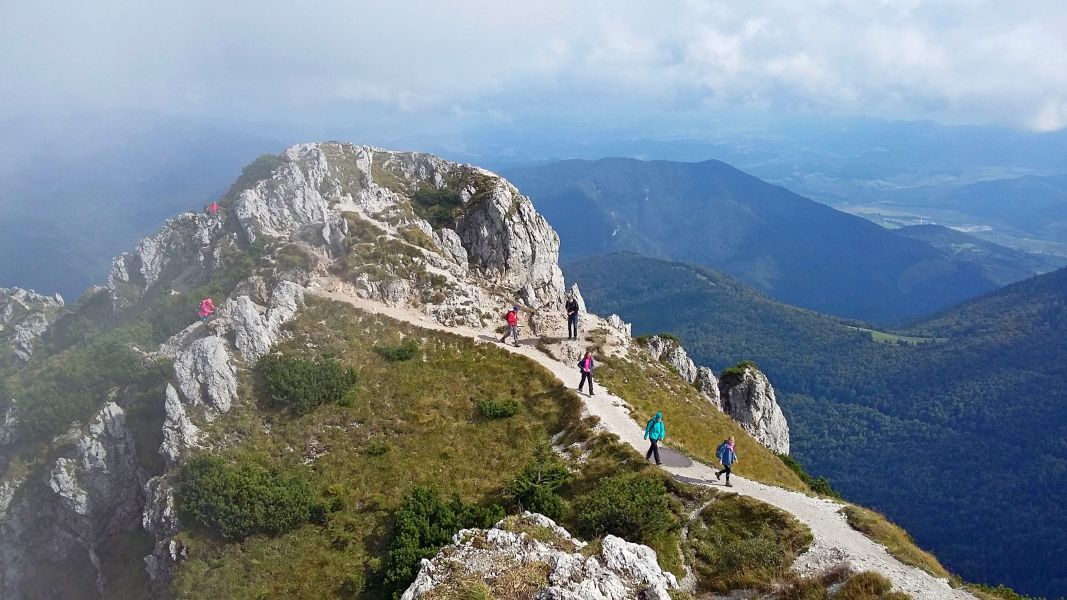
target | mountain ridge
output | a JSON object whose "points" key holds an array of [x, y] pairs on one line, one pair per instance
{"points": [[798, 250]]}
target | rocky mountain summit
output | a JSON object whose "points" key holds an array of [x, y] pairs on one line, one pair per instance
{"points": [[454, 242]]}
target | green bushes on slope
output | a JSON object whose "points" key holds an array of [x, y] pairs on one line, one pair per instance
{"points": [[634, 506], [534, 488], [303, 384], [240, 500], [424, 523], [740, 543]]}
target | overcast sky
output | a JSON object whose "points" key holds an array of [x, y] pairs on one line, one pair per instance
{"points": [[951, 61]]}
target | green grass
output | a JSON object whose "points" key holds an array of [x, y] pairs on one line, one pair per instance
{"points": [[420, 410], [896, 540], [741, 543], [694, 426], [894, 338]]}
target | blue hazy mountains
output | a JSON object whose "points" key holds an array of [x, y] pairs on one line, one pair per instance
{"points": [[795, 249]]}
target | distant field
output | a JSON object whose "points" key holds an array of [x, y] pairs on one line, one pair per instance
{"points": [[893, 338]]}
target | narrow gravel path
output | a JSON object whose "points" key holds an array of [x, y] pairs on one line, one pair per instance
{"points": [[834, 540]]}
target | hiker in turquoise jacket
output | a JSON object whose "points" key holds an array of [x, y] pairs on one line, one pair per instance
{"points": [[655, 431], [727, 456]]}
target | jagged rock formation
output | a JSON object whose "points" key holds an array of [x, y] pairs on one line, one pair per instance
{"points": [[66, 515], [24, 316], [619, 571], [668, 351], [747, 396]]}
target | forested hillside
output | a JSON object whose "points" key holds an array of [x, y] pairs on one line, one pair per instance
{"points": [[709, 213], [958, 432]]}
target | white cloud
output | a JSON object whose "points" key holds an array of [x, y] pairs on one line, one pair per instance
{"points": [[975, 61]]}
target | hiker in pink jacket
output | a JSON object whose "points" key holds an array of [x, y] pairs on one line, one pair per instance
{"points": [[207, 308]]}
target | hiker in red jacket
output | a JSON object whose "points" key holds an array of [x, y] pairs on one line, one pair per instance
{"points": [[207, 308], [513, 326], [213, 208]]}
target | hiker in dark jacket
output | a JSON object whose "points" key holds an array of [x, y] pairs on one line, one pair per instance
{"points": [[513, 326], [727, 456], [655, 431], [572, 317], [586, 367]]}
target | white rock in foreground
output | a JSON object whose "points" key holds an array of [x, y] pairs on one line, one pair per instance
{"points": [[620, 570]]}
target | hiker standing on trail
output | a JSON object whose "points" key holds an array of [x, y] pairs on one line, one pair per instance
{"points": [[207, 308], [213, 209], [572, 316], [655, 431], [513, 326], [727, 457], [586, 367]]}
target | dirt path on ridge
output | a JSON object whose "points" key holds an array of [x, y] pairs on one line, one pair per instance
{"points": [[834, 540]]}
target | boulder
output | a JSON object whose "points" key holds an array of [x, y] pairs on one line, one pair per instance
{"points": [[621, 570], [205, 374]]}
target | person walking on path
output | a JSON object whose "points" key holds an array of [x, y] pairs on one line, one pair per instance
{"points": [[586, 367], [727, 457], [655, 431], [213, 209], [572, 317], [513, 326], [207, 308]]}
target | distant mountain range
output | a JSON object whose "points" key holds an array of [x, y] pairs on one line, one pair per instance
{"points": [[957, 431], [795, 249]]}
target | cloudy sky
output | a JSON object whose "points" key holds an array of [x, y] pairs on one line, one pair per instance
{"points": [[448, 63]]}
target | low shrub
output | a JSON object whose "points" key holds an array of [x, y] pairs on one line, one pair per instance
{"points": [[424, 523], [869, 586], [819, 485], [736, 373], [739, 542], [399, 353], [633, 506], [239, 500], [493, 409], [534, 488], [303, 384], [439, 207]]}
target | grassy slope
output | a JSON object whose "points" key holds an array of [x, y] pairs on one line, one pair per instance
{"points": [[422, 413], [694, 426]]}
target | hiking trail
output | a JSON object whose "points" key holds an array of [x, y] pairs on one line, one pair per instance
{"points": [[834, 541]]}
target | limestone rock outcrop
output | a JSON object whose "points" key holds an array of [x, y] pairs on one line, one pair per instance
{"points": [[179, 433], [24, 316], [206, 374], [255, 327], [670, 352], [63, 515], [619, 571], [748, 397]]}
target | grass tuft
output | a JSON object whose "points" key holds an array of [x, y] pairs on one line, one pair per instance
{"points": [[896, 540]]}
